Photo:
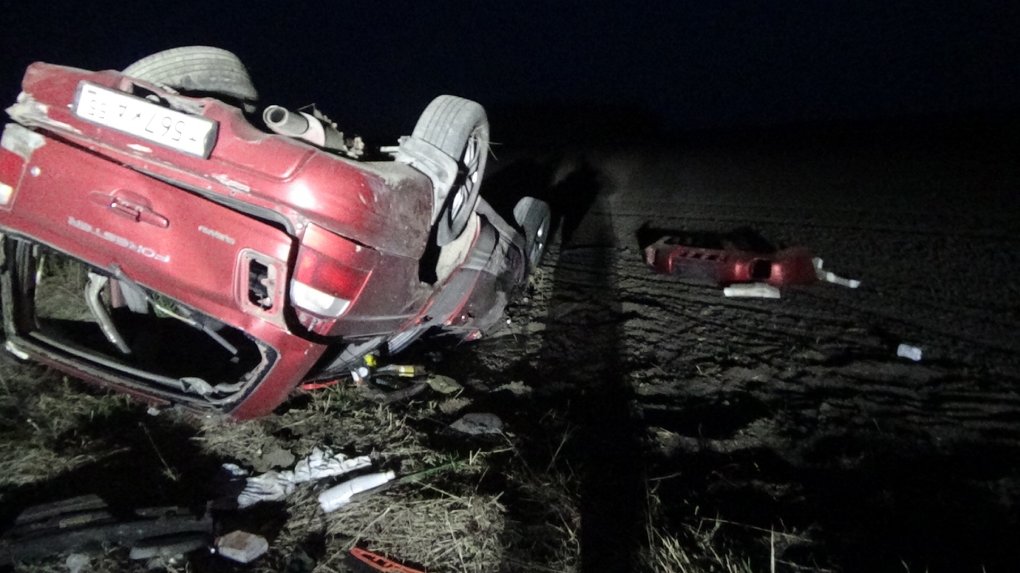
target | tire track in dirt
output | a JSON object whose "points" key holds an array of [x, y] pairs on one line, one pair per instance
{"points": [[795, 413]]}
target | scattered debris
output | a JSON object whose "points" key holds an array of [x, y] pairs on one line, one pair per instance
{"points": [[274, 456], [338, 495], [77, 563], [168, 547], [909, 352], [85, 523], [517, 388], [384, 383], [757, 290], [831, 277], [276, 485], [478, 424], [727, 266], [364, 559], [242, 546], [373, 391], [443, 384]]}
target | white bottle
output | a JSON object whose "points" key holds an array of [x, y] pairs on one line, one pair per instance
{"points": [[338, 495], [909, 352]]}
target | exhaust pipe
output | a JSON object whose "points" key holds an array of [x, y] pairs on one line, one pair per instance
{"points": [[304, 126]]}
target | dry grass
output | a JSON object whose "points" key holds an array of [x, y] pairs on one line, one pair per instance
{"points": [[445, 521], [705, 545], [453, 521], [695, 550], [63, 281], [40, 412], [422, 524], [494, 509]]}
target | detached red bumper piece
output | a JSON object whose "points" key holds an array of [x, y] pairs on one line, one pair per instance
{"points": [[793, 266]]}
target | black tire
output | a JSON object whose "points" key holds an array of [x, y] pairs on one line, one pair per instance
{"points": [[534, 216], [198, 69], [21, 263], [460, 128]]}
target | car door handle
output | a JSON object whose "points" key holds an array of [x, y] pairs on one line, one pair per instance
{"points": [[132, 208], [139, 213]]}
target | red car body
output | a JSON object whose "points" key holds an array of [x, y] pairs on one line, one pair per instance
{"points": [[230, 235]]}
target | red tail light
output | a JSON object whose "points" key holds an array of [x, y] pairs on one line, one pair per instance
{"points": [[330, 273], [10, 175]]}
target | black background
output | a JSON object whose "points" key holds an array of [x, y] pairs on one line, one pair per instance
{"points": [[674, 66]]}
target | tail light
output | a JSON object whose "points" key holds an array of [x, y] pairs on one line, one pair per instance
{"points": [[329, 274], [11, 167]]}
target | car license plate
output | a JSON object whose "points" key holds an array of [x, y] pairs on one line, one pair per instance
{"points": [[144, 119]]}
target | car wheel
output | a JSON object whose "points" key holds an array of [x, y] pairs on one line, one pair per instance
{"points": [[460, 129], [535, 218], [198, 69]]}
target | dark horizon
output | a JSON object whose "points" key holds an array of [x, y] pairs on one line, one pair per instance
{"points": [[677, 67]]}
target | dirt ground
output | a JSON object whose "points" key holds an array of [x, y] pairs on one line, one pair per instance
{"points": [[651, 423], [789, 426]]}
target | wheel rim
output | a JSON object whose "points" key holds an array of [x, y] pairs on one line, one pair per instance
{"points": [[538, 246], [471, 161]]}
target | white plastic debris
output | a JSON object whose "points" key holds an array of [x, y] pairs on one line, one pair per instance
{"points": [[242, 546], [478, 424], [756, 290], [276, 485], [831, 277], [338, 495], [909, 352], [77, 563]]}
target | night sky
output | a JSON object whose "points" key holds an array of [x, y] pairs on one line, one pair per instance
{"points": [[374, 65]]}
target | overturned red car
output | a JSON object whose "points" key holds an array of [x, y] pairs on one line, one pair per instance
{"points": [[156, 240]]}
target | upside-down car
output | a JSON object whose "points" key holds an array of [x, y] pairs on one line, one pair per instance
{"points": [[157, 240]]}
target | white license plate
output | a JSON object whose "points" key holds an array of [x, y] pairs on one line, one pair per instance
{"points": [[144, 119]]}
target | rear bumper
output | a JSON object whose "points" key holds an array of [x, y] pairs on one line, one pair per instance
{"points": [[168, 241], [727, 266]]}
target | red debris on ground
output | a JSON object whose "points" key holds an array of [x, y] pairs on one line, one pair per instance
{"points": [[793, 266]]}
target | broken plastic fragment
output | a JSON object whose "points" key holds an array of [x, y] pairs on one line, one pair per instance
{"points": [[338, 495], [443, 384], [757, 290], [242, 546], [276, 485], [17, 352], [909, 352], [30, 112], [831, 277], [21, 141]]}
